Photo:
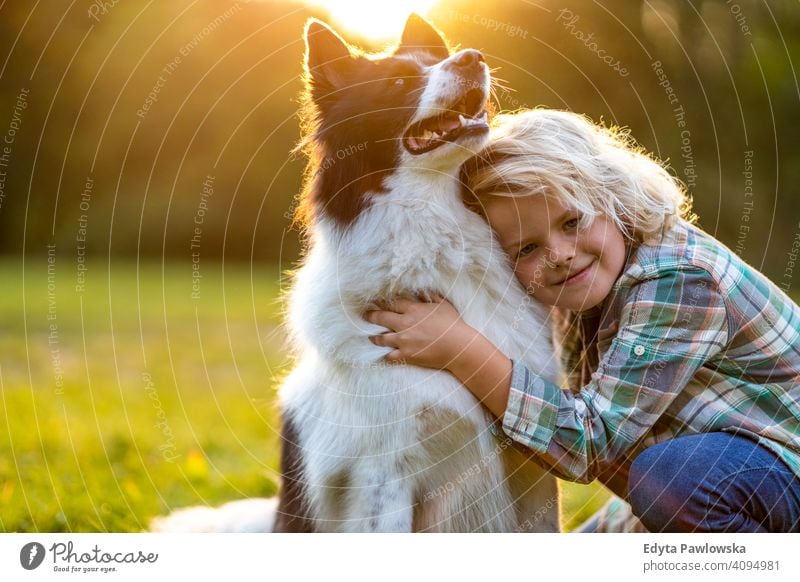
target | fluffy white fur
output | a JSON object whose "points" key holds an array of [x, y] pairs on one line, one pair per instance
{"points": [[241, 516]]}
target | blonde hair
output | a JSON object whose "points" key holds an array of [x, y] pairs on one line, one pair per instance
{"points": [[592, 169]]}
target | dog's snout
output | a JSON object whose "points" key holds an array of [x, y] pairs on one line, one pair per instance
{"points": [[468, 58]]}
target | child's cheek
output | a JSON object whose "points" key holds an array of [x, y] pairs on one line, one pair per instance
{"points": [[530, 276]]}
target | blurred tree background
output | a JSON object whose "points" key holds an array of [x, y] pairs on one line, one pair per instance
{"points": [[149, 99]]}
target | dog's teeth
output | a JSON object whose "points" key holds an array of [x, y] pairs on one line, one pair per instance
{"points": [[427, 135], [468, 121]]}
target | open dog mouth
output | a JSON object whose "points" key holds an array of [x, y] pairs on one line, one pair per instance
{"points": [[464, 116]]}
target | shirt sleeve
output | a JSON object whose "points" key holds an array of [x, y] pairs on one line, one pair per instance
{"points": [[670, 325]]}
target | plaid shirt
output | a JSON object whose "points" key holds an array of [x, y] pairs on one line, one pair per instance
{"points": [[691, 340]]}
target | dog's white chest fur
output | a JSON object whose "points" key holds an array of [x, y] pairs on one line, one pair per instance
{"points": [[402, 448]]}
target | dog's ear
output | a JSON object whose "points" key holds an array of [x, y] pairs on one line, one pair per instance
{"points": [[419, 34], [328, 60]]}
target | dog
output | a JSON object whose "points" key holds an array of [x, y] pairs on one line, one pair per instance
{"points": [[368, 446]]}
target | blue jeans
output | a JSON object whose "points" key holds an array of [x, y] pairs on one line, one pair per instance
{"points": [[713, 482]]}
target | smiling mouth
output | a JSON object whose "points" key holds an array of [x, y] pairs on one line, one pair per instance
{"points": [[587, 267], [462, 117]]}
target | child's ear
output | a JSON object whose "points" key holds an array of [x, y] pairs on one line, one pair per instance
{"points": [[421, 34], [328, 60]]}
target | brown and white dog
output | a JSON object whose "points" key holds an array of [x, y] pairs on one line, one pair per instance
{"points": [[370, 447]]}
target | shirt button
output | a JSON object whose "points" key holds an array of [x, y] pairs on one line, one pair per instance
{"points": [[638, 350]]}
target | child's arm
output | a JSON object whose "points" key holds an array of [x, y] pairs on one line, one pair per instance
{"points": [[669, 327], [433, 335]]}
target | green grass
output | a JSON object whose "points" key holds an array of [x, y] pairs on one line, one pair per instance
{"points": [[165, 401]]}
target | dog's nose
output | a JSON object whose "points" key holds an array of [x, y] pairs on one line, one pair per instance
{"points": [[468, 58]]}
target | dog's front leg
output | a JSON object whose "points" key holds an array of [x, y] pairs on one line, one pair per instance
{"points": [[380, 501]]}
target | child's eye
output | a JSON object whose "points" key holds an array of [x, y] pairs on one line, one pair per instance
{"points": [[526, 250], [572, 223]]}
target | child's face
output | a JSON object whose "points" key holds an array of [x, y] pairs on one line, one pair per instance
{"points": [[558, 263]]}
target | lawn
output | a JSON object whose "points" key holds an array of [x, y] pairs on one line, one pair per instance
{"points": [[131, 396]]}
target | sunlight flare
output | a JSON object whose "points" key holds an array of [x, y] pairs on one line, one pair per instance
{"points": [[377, 21]]}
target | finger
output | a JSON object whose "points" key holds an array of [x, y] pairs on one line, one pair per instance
{"points": [[400, 304], [428, 297], [390, 319], [385, 340]]}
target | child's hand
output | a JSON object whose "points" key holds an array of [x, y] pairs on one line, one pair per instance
{"points": [[429, 334]]}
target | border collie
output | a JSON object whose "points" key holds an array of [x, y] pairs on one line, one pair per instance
{"points": [[371, 447]]}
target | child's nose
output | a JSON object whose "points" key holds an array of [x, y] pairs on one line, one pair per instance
{"points": [[560, 254]]}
